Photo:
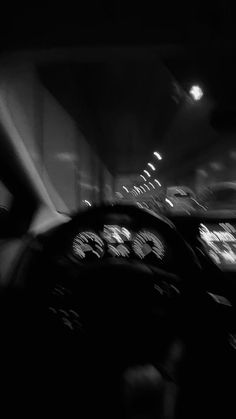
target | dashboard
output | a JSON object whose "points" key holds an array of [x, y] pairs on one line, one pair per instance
{"points": [[118, 241], [114, 234]]}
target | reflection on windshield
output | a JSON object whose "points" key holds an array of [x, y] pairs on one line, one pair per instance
{"points": [[105, 131]]}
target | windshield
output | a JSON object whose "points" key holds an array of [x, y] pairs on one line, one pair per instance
{"points": [[124, 120]]}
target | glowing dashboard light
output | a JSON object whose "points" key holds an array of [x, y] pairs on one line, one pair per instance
{"points": [[152, 166], [169, 202], [147, 186], [210, 236], [87, 203], [220, 243], [196, 92], [228, 227], [115, 233], [147, 173], [157, 181], [143, 178], [150, 183], [158, 156], [126, 189], [88, 242], [118, 251], [146, 243]]}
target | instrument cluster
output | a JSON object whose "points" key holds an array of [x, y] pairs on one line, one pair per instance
{"points": [[115, 241]]}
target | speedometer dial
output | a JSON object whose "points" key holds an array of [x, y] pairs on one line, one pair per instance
{"points": [[147, 243], [88, 245]]}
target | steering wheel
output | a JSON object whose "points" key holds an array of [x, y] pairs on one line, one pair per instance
{"points": [[124, 313], [122, 291]]}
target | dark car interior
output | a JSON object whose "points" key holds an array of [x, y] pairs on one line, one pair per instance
{"points": [[119, 309], [79, 320]]}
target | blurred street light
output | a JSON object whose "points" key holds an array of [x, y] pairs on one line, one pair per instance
{"points": [[169, 202], [158, 156], [196, 92], [152, 166], [157, 181], [147, 173]]}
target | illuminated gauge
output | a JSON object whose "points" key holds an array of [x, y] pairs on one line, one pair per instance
{"points": [[147, 243], [88, 244], [116, 234], [118, 251]]}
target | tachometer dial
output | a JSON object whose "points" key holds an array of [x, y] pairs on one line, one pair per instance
{"points": [[88, 245], [147, 243]]}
